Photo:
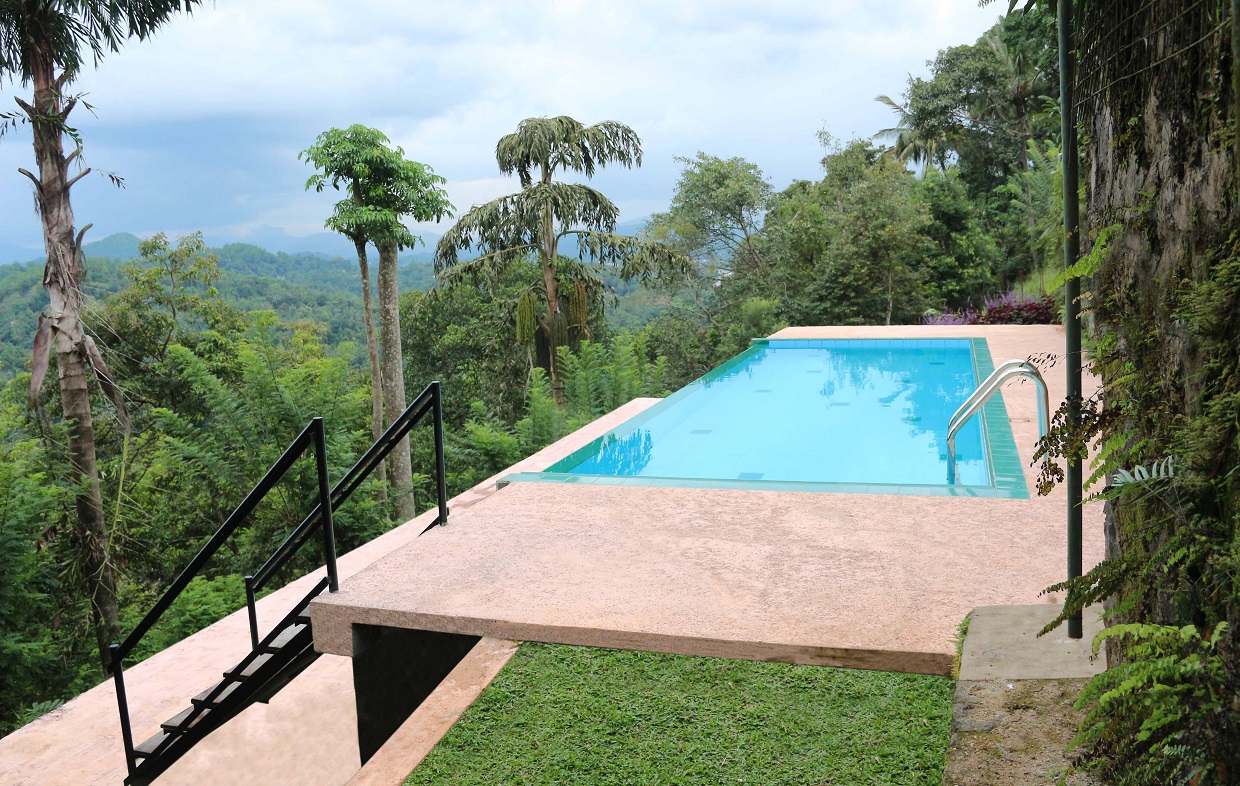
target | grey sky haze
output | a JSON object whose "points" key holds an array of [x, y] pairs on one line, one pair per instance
{"points": [[205, 121]]}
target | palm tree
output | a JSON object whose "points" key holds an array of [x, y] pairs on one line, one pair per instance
{"points": [[545, 211], [341, 155], [913, 141], [44, 43]]}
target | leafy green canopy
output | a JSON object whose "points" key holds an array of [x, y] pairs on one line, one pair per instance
{"points": [[76, 28], [716, 212], [383, 186]]}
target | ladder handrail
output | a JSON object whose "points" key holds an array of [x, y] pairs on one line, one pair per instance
{"points": [[313, 437], [978, 398]]}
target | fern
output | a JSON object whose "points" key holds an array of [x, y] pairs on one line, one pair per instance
{"points": [[1162, 709], [1090, 263], [1161, 470], [1111, 455]]}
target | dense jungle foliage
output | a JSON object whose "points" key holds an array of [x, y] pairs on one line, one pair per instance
{"points": [[1162, 280], [222, 355]]}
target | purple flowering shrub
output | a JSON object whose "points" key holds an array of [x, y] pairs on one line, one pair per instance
{"points": [[1011, 308]]}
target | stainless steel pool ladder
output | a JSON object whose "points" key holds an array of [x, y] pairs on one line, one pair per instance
{"points": [[974, 403]]}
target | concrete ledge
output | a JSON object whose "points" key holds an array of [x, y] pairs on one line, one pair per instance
{"points": [[1003, 644]]}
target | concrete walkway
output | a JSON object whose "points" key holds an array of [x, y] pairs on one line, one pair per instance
{"points": [[1013, 716]]}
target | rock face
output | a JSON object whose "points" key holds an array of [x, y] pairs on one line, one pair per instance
{"points": [[1157, 105], [1158, 109], [1014, 731]]}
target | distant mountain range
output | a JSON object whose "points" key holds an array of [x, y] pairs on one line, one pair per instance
{"points": [[124, 245], [315, 285]]}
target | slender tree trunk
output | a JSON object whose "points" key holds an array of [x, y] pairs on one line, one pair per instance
{"points": [[549, 330], [372, 350], [547, 253], [399, 465], [891, 296], [62, 277]]}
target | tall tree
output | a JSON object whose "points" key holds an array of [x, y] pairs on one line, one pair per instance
{"points": [[716, 212], [344, 156], [849, 250], [545, 211], [384, 187], [44, 43]]}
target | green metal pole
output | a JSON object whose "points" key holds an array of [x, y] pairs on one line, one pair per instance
{"points": [[1072, 290]]}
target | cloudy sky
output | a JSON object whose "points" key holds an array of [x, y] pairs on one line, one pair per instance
{"points": [[205, 121]]}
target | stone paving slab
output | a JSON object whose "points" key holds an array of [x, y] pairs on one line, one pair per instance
{"points": [[1003, 644]]}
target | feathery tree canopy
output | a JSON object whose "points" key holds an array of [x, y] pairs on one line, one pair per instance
{"points": [[544, 212]]}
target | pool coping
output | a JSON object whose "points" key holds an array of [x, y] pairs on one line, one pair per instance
{"points": [[1003, 463]]}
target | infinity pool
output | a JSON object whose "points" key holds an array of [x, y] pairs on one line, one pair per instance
{"points": [[852, 415]]}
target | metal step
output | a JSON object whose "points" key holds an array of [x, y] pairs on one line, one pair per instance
{"points": [[257, 677], [286, 635], [201, 698], [144, 749], [178, 723], [287, 673], [248, 667]]}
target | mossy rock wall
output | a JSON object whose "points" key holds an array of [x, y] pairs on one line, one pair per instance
{"points": [[1157, 113]]}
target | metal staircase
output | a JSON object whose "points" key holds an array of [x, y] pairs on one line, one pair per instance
{"points": [[288, 648]]}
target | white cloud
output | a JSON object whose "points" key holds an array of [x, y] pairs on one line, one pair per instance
{"points": [[446, 80]]}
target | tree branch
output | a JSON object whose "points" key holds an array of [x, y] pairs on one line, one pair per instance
{"points": [[77, 177], [77, 243], [38, 187]]}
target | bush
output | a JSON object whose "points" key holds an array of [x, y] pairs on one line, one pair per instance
{"points": [[1011, 308]]}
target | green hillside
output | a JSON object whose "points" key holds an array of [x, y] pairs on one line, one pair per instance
{"points": [[302, 286], [305, 286]]}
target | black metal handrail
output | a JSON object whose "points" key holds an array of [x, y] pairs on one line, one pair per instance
{"points": [[312, 435], [428, 401]]}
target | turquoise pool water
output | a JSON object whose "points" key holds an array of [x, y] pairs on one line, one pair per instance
{"points": [[843, 415]]}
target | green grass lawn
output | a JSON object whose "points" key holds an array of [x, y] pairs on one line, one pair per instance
{"points": [[575, 715]]}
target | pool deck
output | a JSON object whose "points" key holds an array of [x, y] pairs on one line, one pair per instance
{"points": [[860, 580]]}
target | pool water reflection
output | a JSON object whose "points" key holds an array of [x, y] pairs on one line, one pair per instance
{"points": [[830, 411]]}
